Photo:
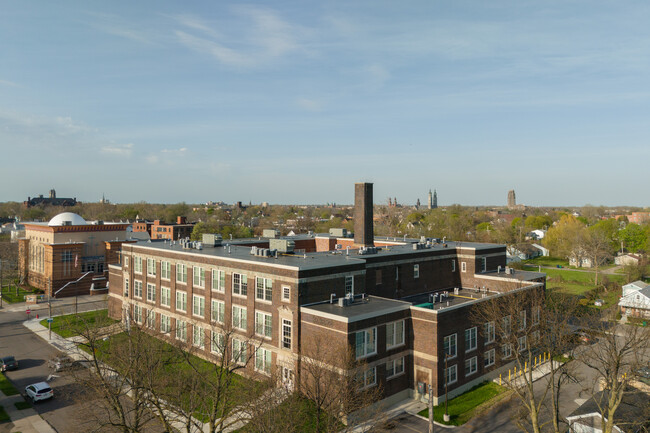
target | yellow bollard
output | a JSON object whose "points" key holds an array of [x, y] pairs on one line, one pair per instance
{"points": [[525, 366], [499, 379], [509, 378]]}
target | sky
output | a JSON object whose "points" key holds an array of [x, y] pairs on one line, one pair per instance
{"points": [[295, 101]]}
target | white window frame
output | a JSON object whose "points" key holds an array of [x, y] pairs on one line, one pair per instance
{"points": [[137, 264], [239, 351], [198, 336], [263, 324], [416, 271], [472, 365], [200, 311], [217, 343], [137, 289], [394, 337], [451, 370], [447, 346], [489, 358], [181, 273], [463, 266], [150, 321], [151, 292], [368, 377], [137, 314], [165, 270], [349, 284], [507, 325], [286, 334], [489, 333], [453, 265], [219, 280], [263, 360], [151, 267], [239, 319], [522, 342], [218, 311], [395, 368], [263, 289], [522, 320], [368, 345], [126, 261], [471, 339], [126, 287], [182, 296], [239, 284], [198, 277], [165, 297], [536, 313], [483, 264], [181, 330], [286, 293], [506, 351], [165, 324]]}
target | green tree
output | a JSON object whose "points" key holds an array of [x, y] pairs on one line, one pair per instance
{"points": [[634, 237], [566, 237]]}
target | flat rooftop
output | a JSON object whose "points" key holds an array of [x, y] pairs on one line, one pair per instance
{"points": [[361, 309], [449, 298]]}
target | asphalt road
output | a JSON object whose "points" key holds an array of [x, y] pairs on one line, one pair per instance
{"points": [[65, 411]]}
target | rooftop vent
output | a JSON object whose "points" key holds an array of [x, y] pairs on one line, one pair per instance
{"points": [[368, 250]]}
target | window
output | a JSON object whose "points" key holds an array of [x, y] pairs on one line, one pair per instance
{"points": [[181, 301], [263, 360], [470, 366], [366, 342], [240, 284], [451, 374], [286, 293], [151, 267], [263, 324], [198, 337], [137, 314], [198, 276], [394, 334], [368, 377], [506, 350], [126, 261], [522, 343], [239, 317], [181, 330], [137, 289], [286, 334], [263, 289], [198, 306], [137, 265], [416, 271], [378, 277], [165, 297], [522, 320], [507, 321], [394, 367], [165, 270], [218, 280], [217, 343], [488, 358], [165, 324], [239, 351], [218, 311], [453, 265], [483, 264], [537, 311], [349, 284], [535, 336], [126, 287], [488, 333], [450, 345], [181, 273], [470, 339], [463, 266], [151, 293], [151, 319]]}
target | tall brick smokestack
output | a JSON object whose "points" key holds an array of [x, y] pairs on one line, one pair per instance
{"points": [[363, 226]]}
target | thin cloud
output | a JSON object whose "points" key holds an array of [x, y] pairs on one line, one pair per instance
{"points": [[124, 150], [8, 83], [114, 25]]}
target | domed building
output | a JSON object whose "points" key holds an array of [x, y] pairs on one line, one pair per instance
{"points": [[68, 255]]}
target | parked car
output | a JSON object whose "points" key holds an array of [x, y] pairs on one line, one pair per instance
{"points": [[8, 363], [39, 391], [59, 363], [643, 374]]}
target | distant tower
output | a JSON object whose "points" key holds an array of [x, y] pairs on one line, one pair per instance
{"points": [[435, 199], [430, 202], [512, 202], [417, 205], [52, 193]]}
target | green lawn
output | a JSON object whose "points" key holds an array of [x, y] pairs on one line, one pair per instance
{"points": [[463, 408], [70, 325], [4, 416], [20, 405], [6, 386], [9, 295], [547, 261]]}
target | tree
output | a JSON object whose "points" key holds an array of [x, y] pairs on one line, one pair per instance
{"points": [[634, 237], [564, 239], [619, 351], [597, 248]]}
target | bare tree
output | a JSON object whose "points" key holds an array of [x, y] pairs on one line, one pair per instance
{"points": [[619, 351]]}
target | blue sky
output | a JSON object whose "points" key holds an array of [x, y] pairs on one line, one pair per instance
{"points": [[294, 101]]}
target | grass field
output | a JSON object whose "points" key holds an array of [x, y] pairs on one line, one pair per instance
{"points": [[71, 324], [4, 416], [464, 407], [10, 296], [6, 386], [20, 405]]}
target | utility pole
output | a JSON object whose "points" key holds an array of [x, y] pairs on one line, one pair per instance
{"points": [[49, 304], [430, 409], [446, 416]]}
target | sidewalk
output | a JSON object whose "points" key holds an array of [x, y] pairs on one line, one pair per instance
{"points": [[26, 420], [41, 307]]}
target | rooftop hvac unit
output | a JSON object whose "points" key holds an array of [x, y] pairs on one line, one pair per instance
{"points": [[270, 233], [282, 245], [254, 251], [344, 302], [212, 239], [338, 232]]}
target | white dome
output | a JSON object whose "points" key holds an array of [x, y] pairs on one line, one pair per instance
{"points": [[67, 218]]}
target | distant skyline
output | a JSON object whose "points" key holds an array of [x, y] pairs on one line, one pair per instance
{"points": [[294, 101]]}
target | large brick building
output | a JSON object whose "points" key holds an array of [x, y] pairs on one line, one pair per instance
{"points": [[160, 230], [399, 303]]}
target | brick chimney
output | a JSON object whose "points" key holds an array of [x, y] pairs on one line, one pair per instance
{"points": [[363, 225], [181, 220]]}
